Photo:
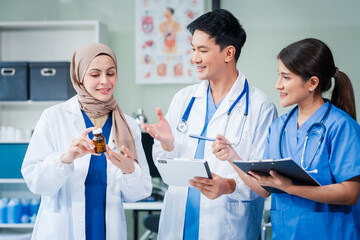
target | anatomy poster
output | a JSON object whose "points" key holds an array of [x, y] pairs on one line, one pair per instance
{"points": [[163, 44]]}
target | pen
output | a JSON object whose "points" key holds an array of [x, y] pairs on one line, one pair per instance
{"points": [[207, 138]]}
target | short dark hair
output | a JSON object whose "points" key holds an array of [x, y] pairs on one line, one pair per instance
{"points": [[221, 25]]}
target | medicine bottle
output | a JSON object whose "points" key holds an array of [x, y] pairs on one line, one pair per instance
{"points": [[99, 141]]}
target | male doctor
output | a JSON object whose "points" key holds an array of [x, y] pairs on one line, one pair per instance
{"points": [[222, 207]]}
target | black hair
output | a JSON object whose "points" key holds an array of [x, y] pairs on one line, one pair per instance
{"points": [[171, 10], [311, 57], [221, 25]]}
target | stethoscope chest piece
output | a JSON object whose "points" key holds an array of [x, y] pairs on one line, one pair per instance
{"points": [[182, 127]]}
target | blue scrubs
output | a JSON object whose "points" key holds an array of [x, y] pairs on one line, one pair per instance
{"points": [[192, 212], [337, 160], [95, 188]]}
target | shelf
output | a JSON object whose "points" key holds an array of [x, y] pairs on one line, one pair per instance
{"points": [[12, 113], [47, 40], [43, 41], [48, 25], [16, 225], [12, 180], [29, 103]]}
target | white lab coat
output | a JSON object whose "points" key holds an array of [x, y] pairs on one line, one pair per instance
{"points": [[62, 186], [234, 216]]}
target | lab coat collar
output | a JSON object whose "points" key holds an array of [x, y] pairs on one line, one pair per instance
{"points": [[72, 108], [201, 91], [231, 97], [237, 87]]}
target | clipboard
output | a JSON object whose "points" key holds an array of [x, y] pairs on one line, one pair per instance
{"points": [[178, 171], [286, 167]]}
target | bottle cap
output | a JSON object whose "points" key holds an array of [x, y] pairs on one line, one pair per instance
{"points": [[97, 131]]}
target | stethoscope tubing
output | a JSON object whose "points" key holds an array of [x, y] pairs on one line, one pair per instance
{"points": [[187, 110], [321, 124], [186, 114], [246, 92]]}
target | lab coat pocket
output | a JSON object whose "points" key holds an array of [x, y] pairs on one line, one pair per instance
{"points": [[238, 222], [54, 203], [244, 218], [233, 213], [51, 223]]}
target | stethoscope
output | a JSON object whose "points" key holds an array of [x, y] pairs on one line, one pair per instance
{"points": [[183, 127], [318, 124]]}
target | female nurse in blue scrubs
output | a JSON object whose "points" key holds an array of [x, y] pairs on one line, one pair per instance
{"points": [[332, 210]]}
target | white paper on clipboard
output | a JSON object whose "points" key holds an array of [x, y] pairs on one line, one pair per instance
{"points": [[178, 171]]}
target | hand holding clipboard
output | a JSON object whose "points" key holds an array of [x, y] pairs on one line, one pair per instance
{"points": [[178, 171], [286, 167]]}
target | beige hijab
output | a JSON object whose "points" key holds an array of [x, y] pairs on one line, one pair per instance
{"points": [[93, 107]]}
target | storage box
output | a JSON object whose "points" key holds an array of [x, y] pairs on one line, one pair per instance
{"points": [[50, 81], [14, 84], [12, 156]]}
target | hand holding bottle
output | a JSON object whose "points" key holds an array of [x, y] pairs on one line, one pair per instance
{"points": [[79, 147]]}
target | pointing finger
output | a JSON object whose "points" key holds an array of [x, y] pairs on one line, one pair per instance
{"points": [[159, 113]]}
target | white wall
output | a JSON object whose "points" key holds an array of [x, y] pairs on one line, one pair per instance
{"points": [[273, 24], [270, 26]]}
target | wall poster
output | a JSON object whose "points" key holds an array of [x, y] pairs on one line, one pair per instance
{"points": [[163, 44]]}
